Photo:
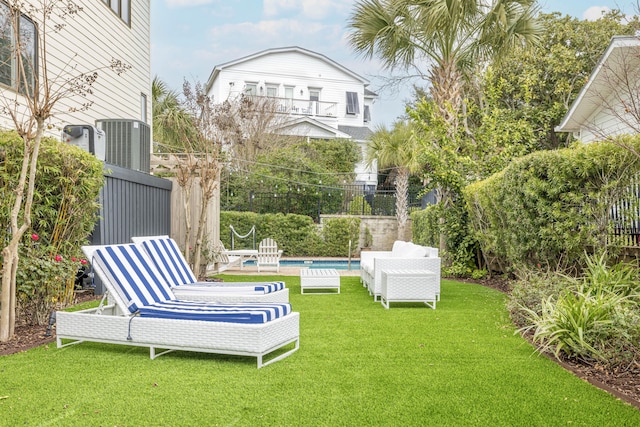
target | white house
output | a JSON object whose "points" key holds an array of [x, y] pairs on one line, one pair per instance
{"points": [[100, 33], [316, 97], [609, 103]]}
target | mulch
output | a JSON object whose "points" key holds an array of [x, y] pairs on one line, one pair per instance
{"points": [[625, 385], [30, 336]]}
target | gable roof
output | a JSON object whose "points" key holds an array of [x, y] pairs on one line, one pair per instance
{"points": [[591, 96], [220, 67], [306, 126]]}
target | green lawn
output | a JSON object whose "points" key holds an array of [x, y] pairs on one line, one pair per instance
{"points": [[358, 365]]}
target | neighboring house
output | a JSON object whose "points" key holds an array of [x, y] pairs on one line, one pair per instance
{"points": [[316, 97], [609, 103], [103, 31]]}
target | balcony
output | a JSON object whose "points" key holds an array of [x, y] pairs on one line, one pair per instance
{"points": [[304, 107]]}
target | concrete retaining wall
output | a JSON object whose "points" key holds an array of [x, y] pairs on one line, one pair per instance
{"points": [[384, 230]]}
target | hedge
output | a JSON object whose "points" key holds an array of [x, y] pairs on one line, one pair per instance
{"points": [[296, 235], [65, 209], [547, 208]]}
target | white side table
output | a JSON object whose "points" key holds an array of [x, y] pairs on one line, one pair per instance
{"points": [[319, 278], [409, 286]]}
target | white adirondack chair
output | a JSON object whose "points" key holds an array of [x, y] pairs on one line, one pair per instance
{"points": [[268, 255]]}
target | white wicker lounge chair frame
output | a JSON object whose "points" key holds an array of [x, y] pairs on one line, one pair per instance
{"points": [[161, 336], [110, 324]]}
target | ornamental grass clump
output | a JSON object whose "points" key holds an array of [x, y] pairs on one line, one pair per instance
{"points": [[529, 292], [595, 319]]}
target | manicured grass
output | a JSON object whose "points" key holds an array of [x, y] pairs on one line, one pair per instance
{"points": [[358, 364]]}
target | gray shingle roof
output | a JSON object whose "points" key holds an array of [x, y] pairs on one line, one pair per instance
{"points": [[356, 132]]}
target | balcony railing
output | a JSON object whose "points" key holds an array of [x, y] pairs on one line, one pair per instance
{"points": [[305, 107]]}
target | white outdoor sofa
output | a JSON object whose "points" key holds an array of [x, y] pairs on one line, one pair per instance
{"points": [[403, 256]]}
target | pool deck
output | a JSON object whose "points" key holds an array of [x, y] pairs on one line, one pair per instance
{"points": [[285, 270]]}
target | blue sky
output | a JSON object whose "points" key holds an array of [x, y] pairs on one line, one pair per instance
{"points": [[190, 37]]}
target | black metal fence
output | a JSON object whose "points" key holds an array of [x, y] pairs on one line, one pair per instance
{"points": [[624, 218], [346, 199]]}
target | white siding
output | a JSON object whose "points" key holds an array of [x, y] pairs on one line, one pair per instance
{"points": [[294, 69], [610, 119], [89, 42]]}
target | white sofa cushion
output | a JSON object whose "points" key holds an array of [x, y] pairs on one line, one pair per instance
{"points": [[398, 248]]}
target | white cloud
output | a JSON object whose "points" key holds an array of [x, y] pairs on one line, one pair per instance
{"points": [[314, 10], [187, 3], [595, 12], [321, 9], [269, 33], [275, 7]]}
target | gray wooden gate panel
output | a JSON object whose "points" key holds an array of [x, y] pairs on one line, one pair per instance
{"points": [[132, 204]]}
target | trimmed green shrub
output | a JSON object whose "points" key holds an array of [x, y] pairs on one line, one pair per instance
{"points": [[336, 234], [359, 206], [460, 256], [296, 235], [547, 207], [65, 208]]}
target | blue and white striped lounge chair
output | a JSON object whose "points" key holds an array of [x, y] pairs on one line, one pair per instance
{"points": [[146, 313], [166, 255]]}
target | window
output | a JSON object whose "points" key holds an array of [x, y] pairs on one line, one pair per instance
{"points": [[288, 92], [314, 95], [352, 103], [8, 62], [143, 107], [367, 114], [122, 8], [250, 89], [272, 91]]}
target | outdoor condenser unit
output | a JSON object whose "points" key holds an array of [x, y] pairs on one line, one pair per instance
{"points": [[128, 143], [86, 137]]}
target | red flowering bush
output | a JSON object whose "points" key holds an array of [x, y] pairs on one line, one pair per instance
{"points": [[64, 213]]}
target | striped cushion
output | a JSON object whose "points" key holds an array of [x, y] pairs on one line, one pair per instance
{"points": [[168, 259], [131, 274], [229, 288], [234, 313], [166, 255]]}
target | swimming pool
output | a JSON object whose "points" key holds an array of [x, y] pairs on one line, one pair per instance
{"points": [[338, 264]]}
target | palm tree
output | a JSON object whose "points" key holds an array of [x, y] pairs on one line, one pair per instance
{"points": [[172, 124], [454, 35], [397, 149]]}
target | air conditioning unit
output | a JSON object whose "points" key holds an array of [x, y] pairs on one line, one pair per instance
{"points": [[128, 143], [86, 137]]}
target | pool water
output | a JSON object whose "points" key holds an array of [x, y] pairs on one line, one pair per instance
{"points": [[325, 263]]}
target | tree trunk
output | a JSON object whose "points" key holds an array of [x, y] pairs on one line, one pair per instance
{"points": [[184, 177], [208, 182], [10, 255], [402, 202], [443, 198], [7, 309], [446, 90], [204, 204]]}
